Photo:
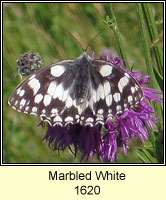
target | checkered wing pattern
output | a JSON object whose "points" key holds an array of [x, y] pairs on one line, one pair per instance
{"points": [[82, 91]]}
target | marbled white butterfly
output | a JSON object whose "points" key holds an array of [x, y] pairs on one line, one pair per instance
{"points": [[85, 91]]}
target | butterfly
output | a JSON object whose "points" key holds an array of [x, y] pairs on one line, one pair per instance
{"points": [[83, 91]]}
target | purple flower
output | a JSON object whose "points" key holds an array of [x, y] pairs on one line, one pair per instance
{"points": [[105, 140]]}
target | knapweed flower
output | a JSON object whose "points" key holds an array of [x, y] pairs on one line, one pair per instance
{"points": [[104, 140]]}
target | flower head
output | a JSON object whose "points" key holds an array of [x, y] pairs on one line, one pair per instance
{"points": [[29, 63], [104, 140]]}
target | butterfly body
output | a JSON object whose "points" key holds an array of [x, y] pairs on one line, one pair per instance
{"points": [[82, 79], [84, 91]]}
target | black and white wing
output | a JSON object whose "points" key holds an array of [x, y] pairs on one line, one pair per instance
{"points": [[81, 91], [113, 91], [47, 94]]}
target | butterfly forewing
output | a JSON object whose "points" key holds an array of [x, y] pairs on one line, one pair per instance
{"points": [[45, 93], [117, 90], [81, 91]]}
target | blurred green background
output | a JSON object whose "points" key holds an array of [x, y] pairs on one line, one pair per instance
{"points": [[36, 27]]}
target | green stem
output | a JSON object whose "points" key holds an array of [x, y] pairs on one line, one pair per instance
{"points": [[148, 59], [117, 34], [153, 34], [145, 41]]}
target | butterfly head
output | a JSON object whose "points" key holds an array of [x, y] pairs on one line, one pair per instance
{"points": [[84, 58]]}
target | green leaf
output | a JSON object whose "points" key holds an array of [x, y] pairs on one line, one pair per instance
{"points": [[159, 78], [144, 155]]}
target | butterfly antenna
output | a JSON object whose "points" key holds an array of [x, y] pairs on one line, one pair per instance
{"points": [[72, 37], [95, 38]]}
